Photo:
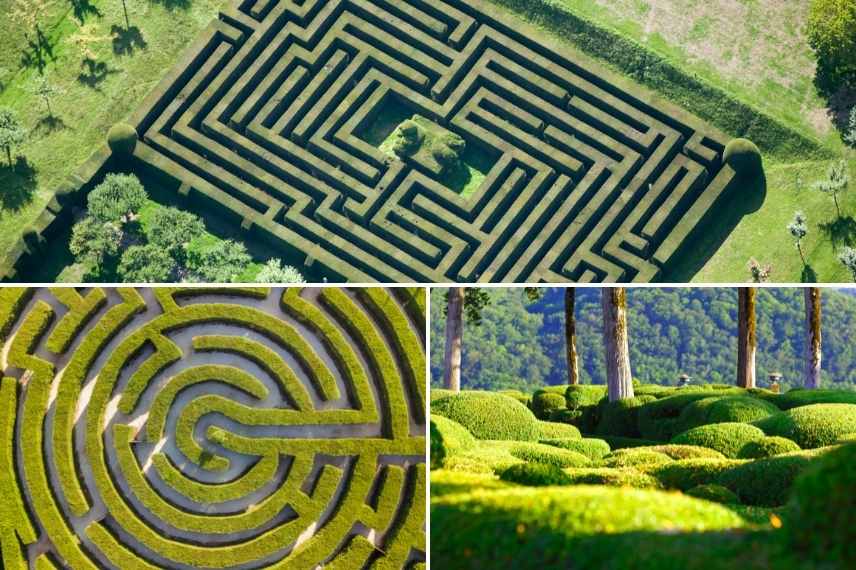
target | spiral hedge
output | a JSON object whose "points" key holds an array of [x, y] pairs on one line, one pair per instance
{"points": [[203, 428]]}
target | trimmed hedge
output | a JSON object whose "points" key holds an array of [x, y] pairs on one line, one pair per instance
{"points": [[592, 448], [634, 457], [767, 447], [612, 477], [812, 426], [539, 453], [688, 473], [685, 451], [727, 438], [545, 403], [744, 157], [621, 418], [445, 482], [765, 482], [715, 493], [715, 410], [535, 475], [548, 430], [803, 397], [580, 396], [448, 438], [489, 416]]}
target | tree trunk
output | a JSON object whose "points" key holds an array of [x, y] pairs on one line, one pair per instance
{"points": [[571, 337], [812, 337], [9, 154], [746, 342], [618, 377], [454, 339]]}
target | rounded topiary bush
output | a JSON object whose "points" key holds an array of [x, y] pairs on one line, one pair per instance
{"points": [[765, 482], [726, 438], [489, 416], [535, 475], [447, 439], [621, 417], [823, 504], [635, 456], [802, 397], [613, 477], [548, 430], [658, 420], [812, 426], [122, 140], [438, 393], [445, 482], [524, 399], [767, 447], [716, 409], [590, 447], [715, 493], [846, 438], [573, 417], [685, 451], [744, 157], [540, 453], [545, 403], [688, 473], [579, 396]]}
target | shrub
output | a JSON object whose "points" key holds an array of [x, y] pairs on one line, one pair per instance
{"points": [[524, 399], [122, 139], [688, 473], [216, 260], [846, 438], [545, 403], [612, 477], [659, 420], [12, 133], [489, 416], [438, 393], [535, 475], [765, 482], [408, 138], [727, 438], [92, 241], [801, 397], [553, 429], [539, 453], [146, 264], [579, 396], [715, 410], [831, 31], [744, 157], [487, 457], [119, 196], [767, 447], [582, 419], [715, 493], [812, 426], [275, 272], [685, 451], [634, 457], [172, 229], [445, 482], [625, 442], [823, 505], [447, 439], [621, 417], [592, 448]]}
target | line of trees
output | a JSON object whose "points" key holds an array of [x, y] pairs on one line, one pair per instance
{"points": [[460, 300]]}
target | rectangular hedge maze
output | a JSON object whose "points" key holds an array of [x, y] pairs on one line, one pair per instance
{"points": [[281, 115]]}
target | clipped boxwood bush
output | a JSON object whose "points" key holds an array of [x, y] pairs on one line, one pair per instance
{"points": [[634, 457], [765, 482], [592, 448], [803, 397], [767, 447], [535, 475], [688, 473], [846, 438], [122, 139], [715, 493], [439, 393], [812, 426], [447, 439], [659, 420], [715, 410], [613, 477], [445, 482], [549, 430], [489, 416], [540, 453], [545, 403], [686, 451], [488, 457], [744, 157], [616, 442], [580, 396], [621, 417], [726, 438], [524, 399]]}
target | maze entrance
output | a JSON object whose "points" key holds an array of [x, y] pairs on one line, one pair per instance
{"points": [[283, 115]]}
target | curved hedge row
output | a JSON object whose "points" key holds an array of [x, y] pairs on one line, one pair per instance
{"points": [[489, 416]]}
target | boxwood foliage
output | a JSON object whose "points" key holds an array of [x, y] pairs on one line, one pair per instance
{"points": [[445, 482], [812, 426], [765, 482], [556, 429], [592, 448], [621, 417], [613, 477], [767, 447], [688, 473], [686, 451], [580, 396], [488, 415], [634, 457], [714, 410], [544, 403], [803, 397], [659, 420], [447, 439], [535, 475], [715, 493], [726, 438], [540, 453]]}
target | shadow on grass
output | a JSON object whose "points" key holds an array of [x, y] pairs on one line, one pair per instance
{"points": [[94, 73], [808, 275], [83, 9], [18, 183], [174, 4], [50, 124], [841, 231], [127, 40], [38, 51]]}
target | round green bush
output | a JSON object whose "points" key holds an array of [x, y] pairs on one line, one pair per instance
{"points": [[524, 399], [580, 396], [688, 473], [590, 447], [539, 453], [616, 442], [767, 447], [635, 456], [846, 438], [823, 504], [445, 482], [487, 415], [550, 430], [685, 451], [715, 493], [612, 477], [576, 418], [716, 409], [448, 438], [812, 426], [765, 482], [122, 140], [744, 157], [802, 397], [437, 393], [408, 138], [545, 403], [726, 438], [659, 420], [621, 417], [535, 527], [831, 31], [535, 475]]}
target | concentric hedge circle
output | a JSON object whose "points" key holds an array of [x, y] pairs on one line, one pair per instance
{"points": [[487, 415]]}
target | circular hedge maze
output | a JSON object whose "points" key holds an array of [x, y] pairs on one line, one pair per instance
{"points": [[415, 141], [205, 428]]}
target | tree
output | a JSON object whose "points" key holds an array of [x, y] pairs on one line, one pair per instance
{"points": [[217, 261], [831, 31], [798, 230], [813, 353], [746, 337], [850, 133], [12, 133], [172, 229], [275, 272], [45, 89], [619, 379], [146, 264], [93, 241], [454, 338], [571, 337], [837, 180], [117, 199], [848, 258]]}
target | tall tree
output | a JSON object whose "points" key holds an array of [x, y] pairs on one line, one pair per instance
{"points": [[454, 339], [571, 336], [12, 133], [746, 339], [812, 337], [619, 380]]}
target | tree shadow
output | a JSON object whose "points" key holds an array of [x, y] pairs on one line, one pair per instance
{"points": [[808, 275], [83, 8], [18, 183], [839, 103], [49, 125], [38, 51], [841, 231], [94, 73], [127, 40], [174, 4]]}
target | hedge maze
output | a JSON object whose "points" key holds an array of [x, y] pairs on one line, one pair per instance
{"points": [[197, 428], [278, 113]]}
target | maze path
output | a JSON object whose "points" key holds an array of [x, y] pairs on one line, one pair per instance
{"points": [[195, 428], [592, 179]]}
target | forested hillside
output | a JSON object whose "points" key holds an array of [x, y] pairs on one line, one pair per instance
{"points": [[520, 344]]}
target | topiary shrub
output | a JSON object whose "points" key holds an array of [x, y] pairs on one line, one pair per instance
{"points": [[539, 453], [408, 138], [823, 506], [122, 140], [658, 420], [578, 418], [445, 482], [613, 477], [578, 396], [655, 390], [688, 473], [524, 399], [590, 447], [550, 430], [634, 457], [846, 438], [535, 475], [714, 410], [621, 417], [744, 157], [437, 393], [812, 426], [726, 438], [487, 457], [545, 403], [802, 397], [626, 442], [831, 31], [447, 439], [684, 451], [715, 493], [767, 447], [488, 415], [765, 482]]}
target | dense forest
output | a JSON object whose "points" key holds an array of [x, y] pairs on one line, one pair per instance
{"points": [[673, 331]]}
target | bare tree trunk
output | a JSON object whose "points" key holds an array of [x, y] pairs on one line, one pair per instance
{"points": [[812, 337], [571, 337], [746, 342], [619, 380], [454, 339]]}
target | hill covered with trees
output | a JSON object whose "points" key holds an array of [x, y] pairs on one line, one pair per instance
{"points": [[520, 343]]}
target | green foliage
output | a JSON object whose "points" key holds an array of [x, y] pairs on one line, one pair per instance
{"points": [[592, 448], [535, 475], [660, 420], [92, 241], [545, 403], [275, 272], [621, 417], [850, 131], [802, 397], [612, 477], [744, 157], [445, 482], [765, 482], [489, 416], [831, 33], [408, 137], [172, 230], [714, 410], [767, 447], [635, 456], [727, 438], [12, 133], [447, 439], [539, 453], [685, 474], [579, 396], [812, 426], [554, 429], [715, 493], [217, 261], [616, 442], [146, 264], [122, 139], [117, 198], [685, 451]]}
